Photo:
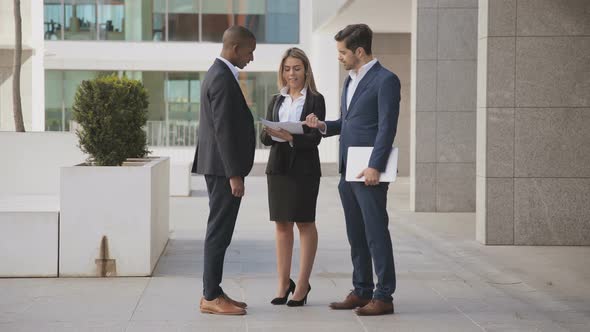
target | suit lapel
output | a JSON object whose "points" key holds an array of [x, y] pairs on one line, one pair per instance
{"points": [[365, 81], [306, 106], [276, 107], [343, 108]]}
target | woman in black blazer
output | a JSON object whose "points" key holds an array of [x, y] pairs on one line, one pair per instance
{"points": [[293, 172]]}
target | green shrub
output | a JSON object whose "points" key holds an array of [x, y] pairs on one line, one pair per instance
{"points": [[111, 112]]}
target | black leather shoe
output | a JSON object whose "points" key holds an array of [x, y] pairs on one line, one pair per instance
{"points": [[283, 300], [299, 303]]}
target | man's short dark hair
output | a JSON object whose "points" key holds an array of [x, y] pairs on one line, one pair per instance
{"points": [[237, 34], [355, 36]]}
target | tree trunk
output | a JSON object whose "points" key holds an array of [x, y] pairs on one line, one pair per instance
{"points": [[18, 50]]}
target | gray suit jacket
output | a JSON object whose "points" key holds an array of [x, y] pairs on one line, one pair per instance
{"points": [[226, 134]]}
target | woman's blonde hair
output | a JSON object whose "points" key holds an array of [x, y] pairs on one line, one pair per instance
{"points": [[297, 53]]}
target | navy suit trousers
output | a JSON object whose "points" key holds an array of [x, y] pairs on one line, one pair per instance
{"points": [[365, 211]]}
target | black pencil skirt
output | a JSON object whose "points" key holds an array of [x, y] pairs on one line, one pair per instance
{"points": [[292, 198]]}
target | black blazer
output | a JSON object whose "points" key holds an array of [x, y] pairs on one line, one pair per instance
{"points": [[226, 134], [303, 158]]}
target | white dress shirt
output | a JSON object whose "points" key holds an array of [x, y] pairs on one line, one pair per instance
{"points": [[290, 110], [355, 78], [233, 68]]}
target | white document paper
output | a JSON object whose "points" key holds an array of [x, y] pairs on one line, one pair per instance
{"points": [[292, 127], [358, 159]]}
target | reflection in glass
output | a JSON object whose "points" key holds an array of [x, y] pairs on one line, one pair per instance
{"points": [[174, 101], [183, 20], [111, 20], [158, 27], [52, 19], [282, 22], [271, 21], [258, 89], [80, 19], [217, 17], [183, 98], [250, 14], [54, 115], [155, 83]]}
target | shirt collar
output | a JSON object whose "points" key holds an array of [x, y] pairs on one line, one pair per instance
{"points": [[233, 68], [285, 91], [363, 70]]}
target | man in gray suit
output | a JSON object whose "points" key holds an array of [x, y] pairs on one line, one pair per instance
{"points": [[369, 112], [225, 155]]}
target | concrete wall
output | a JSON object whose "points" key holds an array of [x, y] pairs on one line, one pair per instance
{"points": [[444, 61], [324, 10], [533, 98], [31, 161]]}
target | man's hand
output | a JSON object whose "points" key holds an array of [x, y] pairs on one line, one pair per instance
{"points": [[371, 176], [280, 133], [237, 186], [312, 121]]}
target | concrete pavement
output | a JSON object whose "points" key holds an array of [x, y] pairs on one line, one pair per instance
{"points": [[446, 280]]}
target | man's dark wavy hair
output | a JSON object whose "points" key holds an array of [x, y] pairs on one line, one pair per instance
{"points": [[355, 36]]}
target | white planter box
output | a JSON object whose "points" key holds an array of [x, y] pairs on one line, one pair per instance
{"points": [[128, 204], [180, 178]]}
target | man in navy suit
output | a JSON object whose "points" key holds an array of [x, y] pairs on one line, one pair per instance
{"points": [[368, 117]]}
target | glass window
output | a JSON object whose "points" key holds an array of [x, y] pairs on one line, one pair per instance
{"points": [[54, 115], [271, 21], [183, 98], [111, 18], [258, 89], [216, 19], [156, 131], [174, 101], [80, 19], [250, 14], [53, 14], [282, 21], [158, 28], [183, 20]]}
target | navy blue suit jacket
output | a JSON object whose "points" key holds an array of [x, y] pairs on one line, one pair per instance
{"points": [[371, 118]]}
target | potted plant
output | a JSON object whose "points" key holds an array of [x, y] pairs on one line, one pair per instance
{"points": [[113, 208]]}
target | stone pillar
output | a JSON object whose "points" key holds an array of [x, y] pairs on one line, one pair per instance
{"points": [[444, 64], [533, 122], [393, 52]]}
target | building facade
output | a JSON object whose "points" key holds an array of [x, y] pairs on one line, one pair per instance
{"points": [[494, 104]]}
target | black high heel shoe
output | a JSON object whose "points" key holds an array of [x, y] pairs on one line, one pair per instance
{"points": [[283, 300], [299, 303]]}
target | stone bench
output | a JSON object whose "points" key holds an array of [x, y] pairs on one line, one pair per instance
{"points": [[29, 226], [29, 200]]}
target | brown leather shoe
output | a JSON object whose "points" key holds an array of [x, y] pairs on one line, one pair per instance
{"points": [[220, 306], [350, 302], [242, 305], [376, 308]]}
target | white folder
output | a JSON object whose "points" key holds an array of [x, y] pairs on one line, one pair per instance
{"points": [[358, 160]]}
